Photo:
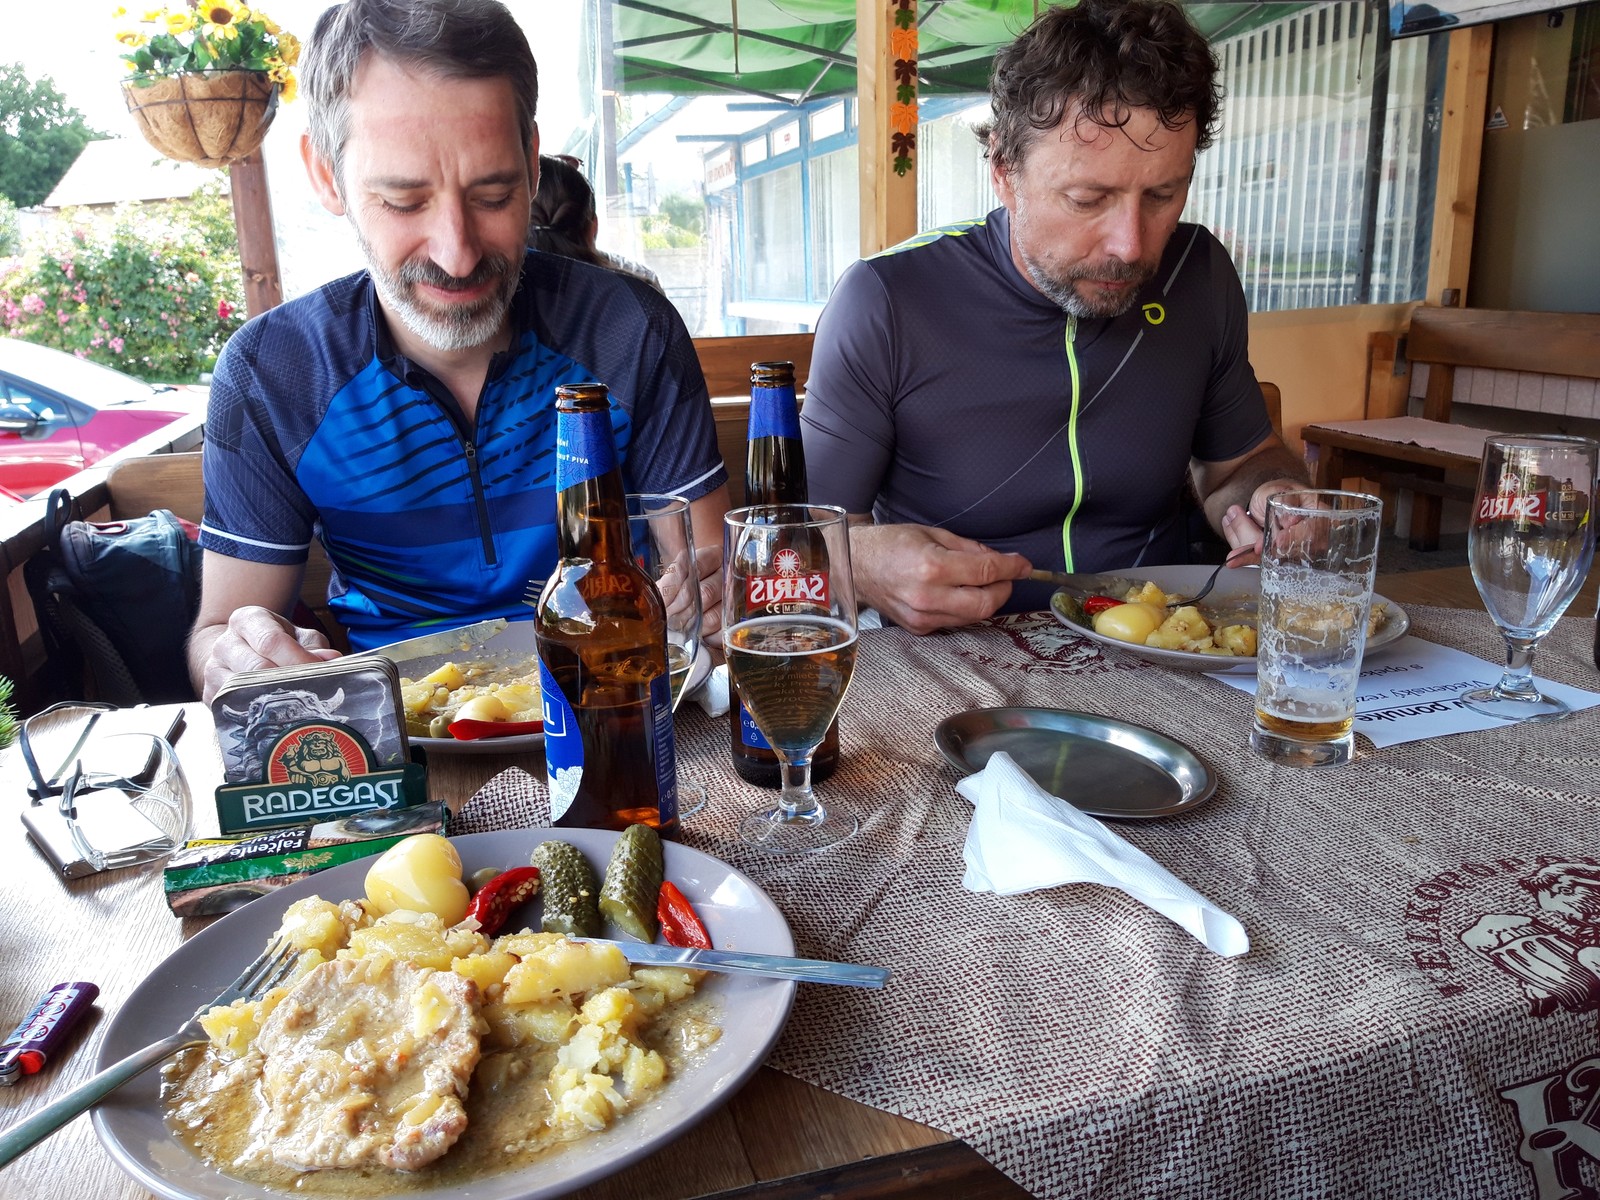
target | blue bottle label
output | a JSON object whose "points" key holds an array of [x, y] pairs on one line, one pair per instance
{"points": [[773, 413], [563, 745], [585, 449], [748, 733], [666, 748]]}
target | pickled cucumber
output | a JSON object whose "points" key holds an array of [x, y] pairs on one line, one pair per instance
{"points": [[633, 881], [571, 891]]}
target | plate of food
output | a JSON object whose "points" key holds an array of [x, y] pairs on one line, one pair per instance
{"points": [[485, 685], [1228, 615], [527, 1134]]}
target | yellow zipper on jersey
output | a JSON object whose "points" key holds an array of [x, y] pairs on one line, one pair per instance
{"points": [[1072, 444]]}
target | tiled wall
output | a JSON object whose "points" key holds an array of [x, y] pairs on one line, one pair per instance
{"points": [[1556, 395]]}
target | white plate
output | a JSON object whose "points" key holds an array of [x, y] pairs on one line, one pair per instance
{"points": [[737, 913], [514, 644], [1237, 589]]}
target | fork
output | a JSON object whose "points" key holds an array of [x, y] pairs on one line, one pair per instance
{"points": [[267, 972], [1211, 580]]}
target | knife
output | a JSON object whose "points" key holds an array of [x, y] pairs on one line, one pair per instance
{"points": [[1083, 585], [738, 962], [468, 637]]}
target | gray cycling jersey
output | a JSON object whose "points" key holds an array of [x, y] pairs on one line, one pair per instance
{"points": [[945, 390]]}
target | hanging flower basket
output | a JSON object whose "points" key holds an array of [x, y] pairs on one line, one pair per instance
{"points": [[212, 118]]}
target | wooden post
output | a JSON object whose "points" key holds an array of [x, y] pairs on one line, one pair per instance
{"points": [[888, 195], [1455, 209], [258, 249]]}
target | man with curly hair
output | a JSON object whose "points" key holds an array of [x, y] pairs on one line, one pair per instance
{"points": [[1039, 387]]}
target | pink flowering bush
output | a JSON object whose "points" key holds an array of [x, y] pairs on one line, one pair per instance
{"points": [[154, 292]]}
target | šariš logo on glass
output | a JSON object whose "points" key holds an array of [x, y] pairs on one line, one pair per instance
{"points": [[1529, 508], [775, 592]]}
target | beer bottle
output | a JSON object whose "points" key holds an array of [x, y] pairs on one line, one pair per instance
{"points": [[774, 473], [601, 631]]}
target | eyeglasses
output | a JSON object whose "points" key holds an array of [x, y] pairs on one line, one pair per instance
{"points": [[135, 817], [115, 800]]}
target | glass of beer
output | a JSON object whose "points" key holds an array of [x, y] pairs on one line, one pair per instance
{"points": [[662, 535], [789, 631], [1318, 562], [1530, 546]]}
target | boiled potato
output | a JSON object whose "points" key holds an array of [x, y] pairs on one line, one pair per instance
{"points": [[1185, 629], [422, 873], [487, 707], [1132, 622]]}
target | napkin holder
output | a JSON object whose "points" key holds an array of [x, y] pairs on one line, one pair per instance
{"points": [[313, 743]]}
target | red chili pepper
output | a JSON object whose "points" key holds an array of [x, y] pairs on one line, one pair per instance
{"points": [[469, 730], [680, 924], [493, 902], [1095, 605]]}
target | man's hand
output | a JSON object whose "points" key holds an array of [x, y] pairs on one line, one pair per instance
{"points": [[708, 561], [1244, 528], [925, 579], [253, 638]]}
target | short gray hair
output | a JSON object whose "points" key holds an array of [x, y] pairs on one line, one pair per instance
{"points": [[451, 39]]}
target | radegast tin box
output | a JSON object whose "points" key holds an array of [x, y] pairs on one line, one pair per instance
{"points": [[312, 743]]}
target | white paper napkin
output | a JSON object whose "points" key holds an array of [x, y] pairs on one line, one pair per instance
{"points": [[1023, 839], [712, 695]]}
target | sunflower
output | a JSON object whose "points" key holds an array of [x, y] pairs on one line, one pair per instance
{"points": [[221, 13], [180, 22], [132, 38]]}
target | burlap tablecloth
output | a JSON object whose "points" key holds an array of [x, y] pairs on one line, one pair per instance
{"points": [[1414, 1016]]}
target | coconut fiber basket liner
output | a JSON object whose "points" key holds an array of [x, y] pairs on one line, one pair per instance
{"points": [[210, 118]]}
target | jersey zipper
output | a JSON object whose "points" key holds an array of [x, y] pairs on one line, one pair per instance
{"points": [[1072, 444], [480, 502]]}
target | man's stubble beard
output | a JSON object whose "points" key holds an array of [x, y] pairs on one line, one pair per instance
{"points": [[457, 327], [1061, 290]]}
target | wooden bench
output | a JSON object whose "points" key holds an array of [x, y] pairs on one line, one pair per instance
{"points": [[1530, 362]]}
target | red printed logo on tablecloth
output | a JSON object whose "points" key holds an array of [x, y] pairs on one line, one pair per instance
{"points": [[1551, 954], [1045, 646], [1560, 1119], [1549, 950]]}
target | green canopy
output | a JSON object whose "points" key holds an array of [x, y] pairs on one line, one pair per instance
{"points": [[795, 50]]}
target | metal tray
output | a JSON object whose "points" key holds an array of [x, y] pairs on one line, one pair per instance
{"points": [[1103, 767]]}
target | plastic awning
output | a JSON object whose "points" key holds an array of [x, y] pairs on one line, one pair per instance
{"points": [[797, 50]]}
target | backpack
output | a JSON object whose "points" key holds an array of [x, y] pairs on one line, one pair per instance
{"points": [[115, 603]]}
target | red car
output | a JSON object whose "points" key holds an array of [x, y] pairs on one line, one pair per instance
{"points": [[59, 413]]}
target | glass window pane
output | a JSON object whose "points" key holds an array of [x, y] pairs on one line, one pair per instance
{"points": [[835, 217], [775, 236]]}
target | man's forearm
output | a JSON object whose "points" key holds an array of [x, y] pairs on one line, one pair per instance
{"points": [[1272, 465], [201, 639]]}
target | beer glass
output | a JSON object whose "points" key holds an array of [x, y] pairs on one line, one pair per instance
{"points": [[789, 631], [663, 544], [1530, 546], [1318, 562]]}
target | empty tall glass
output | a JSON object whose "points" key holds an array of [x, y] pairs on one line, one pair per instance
{"points": [[1530, 545], [663, 544], [1318, 563]]}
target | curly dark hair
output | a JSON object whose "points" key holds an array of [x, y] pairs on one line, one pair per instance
{"points": [[1102, 57], [563, 211]]}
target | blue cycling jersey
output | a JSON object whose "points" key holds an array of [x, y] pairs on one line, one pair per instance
{"points": [[318, 427]]}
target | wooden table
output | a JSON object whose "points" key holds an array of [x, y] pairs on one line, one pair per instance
{"points": [[778, 1138]]}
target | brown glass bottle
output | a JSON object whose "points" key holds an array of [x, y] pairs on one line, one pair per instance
{"points": [[774, 473], [601, 630]]}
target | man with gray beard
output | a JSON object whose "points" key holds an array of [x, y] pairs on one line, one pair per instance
{"points": [[405, 415], [1039, 387]]}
